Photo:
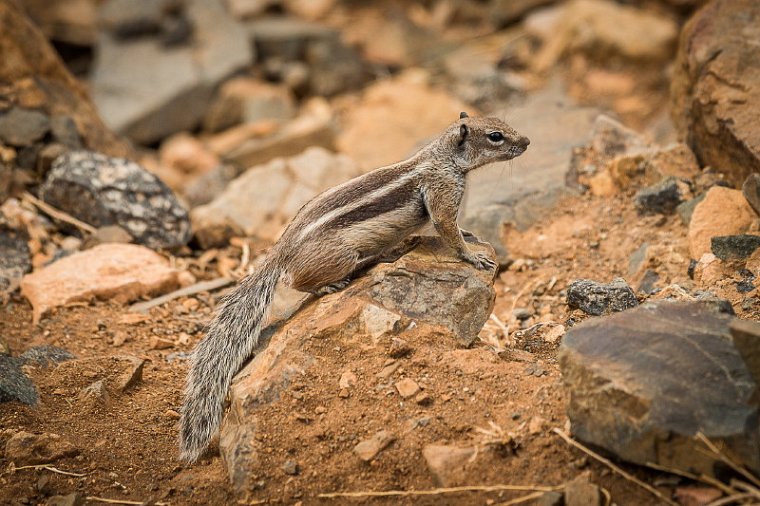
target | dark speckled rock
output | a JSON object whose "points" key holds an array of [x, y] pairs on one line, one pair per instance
{"points": [[101, 191], [597, 299]]}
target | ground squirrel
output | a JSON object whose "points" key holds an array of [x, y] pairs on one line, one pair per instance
{"points": [[340, 232]]}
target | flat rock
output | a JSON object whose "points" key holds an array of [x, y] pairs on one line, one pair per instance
{"points": [[118, 272], [407, 387], [14, 384], [581, 492], [266, 197], [102, 191], [734, 247], [525, 190], [369, 448], [427, 286], [72, 499], [715, 102], [447, 463], [25, 449], [46, 355], [596, 298], [244, 99], [722, 212], [15, 258], [146, 91], [647, 406]]}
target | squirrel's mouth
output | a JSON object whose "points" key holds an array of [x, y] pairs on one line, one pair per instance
{"points": [[514, 152]]}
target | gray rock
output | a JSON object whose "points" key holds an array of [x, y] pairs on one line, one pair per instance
{"points": [[686, 209], [751, 191], [72, 499], [746, 336], [15, 258], [663, 197], [146, 91], [596, 298], [502, 192], [22, 127], [581, 492], [14, 384], [65, 132], [132, 18], [551, 499], [113, 191], [643, 382], [45, 355], [734, 247]]}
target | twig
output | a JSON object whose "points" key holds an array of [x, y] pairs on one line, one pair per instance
{"points": [[48, 467], [731, 499], [203, 286], [440, 491], [613, 467], [122, 501], [726, 460], [58, 214], [521, 499], [746, 487], [702, 477]]}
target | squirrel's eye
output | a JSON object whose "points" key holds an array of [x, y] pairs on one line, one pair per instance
{"points": [[495, 137]]}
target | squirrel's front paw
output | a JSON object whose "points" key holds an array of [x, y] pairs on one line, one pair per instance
{"points": [[481, 261]]}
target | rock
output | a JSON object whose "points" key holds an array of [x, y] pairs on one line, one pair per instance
{"points": [[423, 399], [496, 195], [685, 209], [147, 92], [697, 496], [399, 348], [451, 299], [118, 272], [597, 299], [347, 379], [113, 191], [407, 387], [291, 467], [734, 247], [14, 384], [46, 355], [72, 499], [25, 449], [602, 30], [407, 109], [446, 463], [38, 86], [746, 336], [266, 197], [313, 128], [119, 373], [186, 154], [95, 394], [22, 127], [109, 234], [505, 12], [551, 499], [65, 132], [15, 259], [647, 407], [663, 198], [369, 448], [247, 100], [751, 191], [581, 492], [714, 102], [722, 212]]}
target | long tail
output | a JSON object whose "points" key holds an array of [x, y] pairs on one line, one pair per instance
{"points": [[232, 336]]}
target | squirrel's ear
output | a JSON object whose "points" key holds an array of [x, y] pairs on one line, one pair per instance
{"points": [[463, 131], [463, 115]]}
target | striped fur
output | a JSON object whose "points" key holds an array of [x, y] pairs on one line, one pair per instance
{"points": [[337, 233]]}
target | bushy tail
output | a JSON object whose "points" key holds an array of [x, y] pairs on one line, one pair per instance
{"points": [[231, 338]]}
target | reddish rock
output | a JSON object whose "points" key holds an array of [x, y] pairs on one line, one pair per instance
{"points": [[722, 212], [369, 448], [715, 100], [24, 448], [447, 463], [119, 272], [407, 388]]}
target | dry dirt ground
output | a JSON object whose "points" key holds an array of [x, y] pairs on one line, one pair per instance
{"points": [[503, 402]]}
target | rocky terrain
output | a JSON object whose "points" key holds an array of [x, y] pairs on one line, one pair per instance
{"points": [[152, 151]]}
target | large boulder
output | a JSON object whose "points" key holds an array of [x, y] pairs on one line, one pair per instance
{"points": [[645, 381], [715, 99], [424, 292], [39, 94]]}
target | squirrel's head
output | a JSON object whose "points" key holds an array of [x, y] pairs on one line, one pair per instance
{"points": [[480, 141]]}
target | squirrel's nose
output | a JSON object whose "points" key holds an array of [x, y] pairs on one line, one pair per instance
{"points": [[523, 142]]}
